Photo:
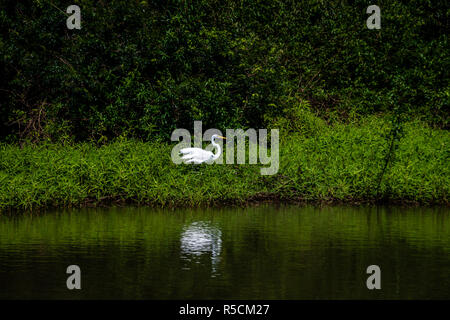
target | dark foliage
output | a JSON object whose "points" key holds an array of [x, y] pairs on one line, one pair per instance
{"points": [[144, 68]]}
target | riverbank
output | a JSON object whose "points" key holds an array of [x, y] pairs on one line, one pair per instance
{"points": [[339, 163]]}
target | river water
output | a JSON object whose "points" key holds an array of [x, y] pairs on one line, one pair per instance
{"points": [[261, 252]]}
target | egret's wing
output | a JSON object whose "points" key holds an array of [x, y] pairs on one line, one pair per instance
{"points": [[190, 153], [195, 155], [189, 150]]}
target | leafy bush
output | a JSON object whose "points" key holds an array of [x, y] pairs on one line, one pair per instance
{"points": [[143, 68], [342, 162]]}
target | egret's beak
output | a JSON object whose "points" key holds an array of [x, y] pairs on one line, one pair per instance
{"points": [[221, 137]]}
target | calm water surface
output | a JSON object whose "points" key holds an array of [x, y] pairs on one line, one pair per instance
{"points": [[265, 252]]}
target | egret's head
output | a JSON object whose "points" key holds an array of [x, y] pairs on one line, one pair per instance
{"points": [[214, 136]]}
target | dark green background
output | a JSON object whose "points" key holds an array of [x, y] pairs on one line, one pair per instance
{"points": [[144, 68]]}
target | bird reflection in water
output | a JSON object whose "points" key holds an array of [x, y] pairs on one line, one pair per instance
{"points": [[200, 239]]}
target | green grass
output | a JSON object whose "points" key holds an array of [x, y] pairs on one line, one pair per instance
{"points": [[342, 162]]}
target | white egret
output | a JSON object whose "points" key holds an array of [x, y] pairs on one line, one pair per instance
{"points": [[197, 155]]}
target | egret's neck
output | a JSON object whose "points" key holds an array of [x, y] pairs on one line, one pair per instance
{"points": [[219, 149]]}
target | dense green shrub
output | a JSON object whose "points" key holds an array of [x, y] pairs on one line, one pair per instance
{"points": [[143, 68], [340, 162]]}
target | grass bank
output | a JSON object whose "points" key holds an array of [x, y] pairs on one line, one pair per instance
{"points": [[343, 162]]}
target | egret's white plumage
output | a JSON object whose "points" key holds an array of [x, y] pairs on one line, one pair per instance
{"points": [[197, 155]]}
